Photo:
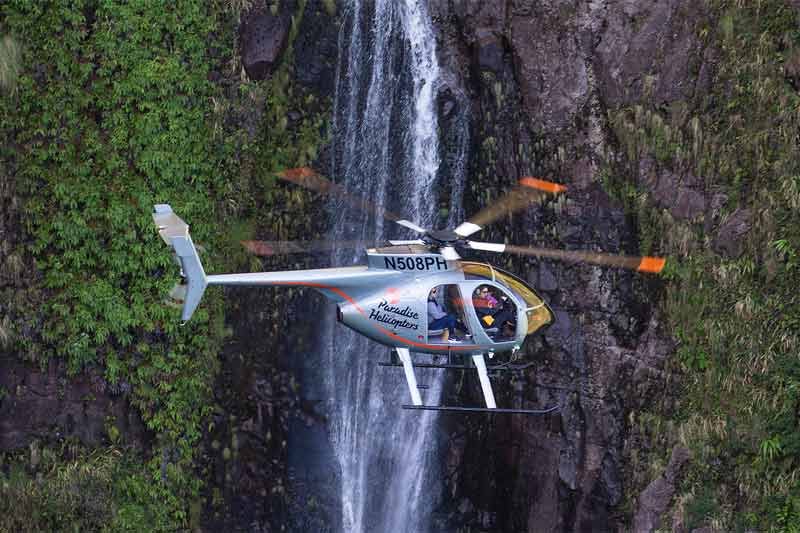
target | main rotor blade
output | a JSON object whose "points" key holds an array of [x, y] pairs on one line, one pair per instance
{"points": [[411, 226], [642, 264], [270, 248], [528, 191], [419, 242], [310, 179], [449, 253]]}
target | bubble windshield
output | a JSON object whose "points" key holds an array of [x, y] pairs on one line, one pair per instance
{"points": [[537, 311]]}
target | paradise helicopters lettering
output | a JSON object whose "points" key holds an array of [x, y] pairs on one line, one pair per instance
{"points": [[413, 295]]}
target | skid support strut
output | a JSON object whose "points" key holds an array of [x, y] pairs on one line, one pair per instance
{"points": [[408, 368], [486, 385]]}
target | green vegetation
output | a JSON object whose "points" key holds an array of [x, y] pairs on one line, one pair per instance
{"points": [[74, 489], [108, 109], [114, 120], [736, 317], [9, 63]]}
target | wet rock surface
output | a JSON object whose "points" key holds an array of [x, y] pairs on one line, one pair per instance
{"points": [[655, 499], [49, 406], [539, 107], [246, 450], [251, 485]]}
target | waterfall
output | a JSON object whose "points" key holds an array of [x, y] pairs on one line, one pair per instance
{"points": [[386, 148]]}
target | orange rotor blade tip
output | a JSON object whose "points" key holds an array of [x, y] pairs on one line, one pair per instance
{"points": [[299, 172], [542, 185], [257, 247], [651, 264]]}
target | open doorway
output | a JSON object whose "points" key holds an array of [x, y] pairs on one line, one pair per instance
{"points": [[446, 319]]}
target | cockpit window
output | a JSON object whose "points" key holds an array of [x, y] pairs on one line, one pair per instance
{"points": [[537, 311], [496, 312], [477, 270]]}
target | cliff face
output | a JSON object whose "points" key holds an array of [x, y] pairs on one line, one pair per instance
{"points": [[673, 125], [538, 79], [666, 120], [541, 80]]}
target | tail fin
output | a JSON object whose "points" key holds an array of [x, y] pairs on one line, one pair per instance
{"points": [[175, 232]]}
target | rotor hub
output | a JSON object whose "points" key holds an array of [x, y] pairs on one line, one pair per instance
{"points": [[444, 236]]}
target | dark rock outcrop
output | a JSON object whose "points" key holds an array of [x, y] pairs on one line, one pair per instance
{"points": [[650, 43], [681, 195], [50, 406], [264, 35], [655, 499], [728, 240]]}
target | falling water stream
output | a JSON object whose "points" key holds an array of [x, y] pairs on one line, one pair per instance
{"points": [[386, 148]]}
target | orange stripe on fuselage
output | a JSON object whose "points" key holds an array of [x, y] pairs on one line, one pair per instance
{"points": [[379, 328]]}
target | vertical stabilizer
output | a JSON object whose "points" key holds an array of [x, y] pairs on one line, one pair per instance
{"points": [[175, 232]]}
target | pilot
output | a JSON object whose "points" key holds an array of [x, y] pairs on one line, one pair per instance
{"points": [[438, 318], [506, 317]]}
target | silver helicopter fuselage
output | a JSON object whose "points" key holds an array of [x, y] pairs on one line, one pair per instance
{"points": [[385, 300]]}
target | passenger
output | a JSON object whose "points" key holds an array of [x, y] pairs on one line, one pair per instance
{"points": [[438, 318], [485, 304], [487, 295], [492, 313], [506, 317]]}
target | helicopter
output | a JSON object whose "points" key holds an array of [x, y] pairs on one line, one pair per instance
{"points": [[413, 295]]}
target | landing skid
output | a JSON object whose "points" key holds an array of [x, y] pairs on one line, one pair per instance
{"points": [[479, 362], [481, 409]]}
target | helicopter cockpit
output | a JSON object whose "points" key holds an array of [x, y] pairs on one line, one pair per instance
{"points": [[493, 305], [489, 306]]}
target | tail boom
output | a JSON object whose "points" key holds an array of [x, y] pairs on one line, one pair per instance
{"points": [[331, 282]]}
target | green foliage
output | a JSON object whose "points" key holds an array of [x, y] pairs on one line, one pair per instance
{"points": [[74, 489], [736, 319], [700, 508], [116, 123], [113, 112], [783, 247], [770, 448], [330, 7], [787, 515], [9, 63]]}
